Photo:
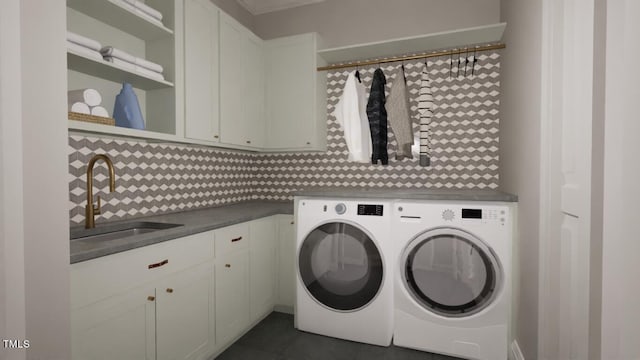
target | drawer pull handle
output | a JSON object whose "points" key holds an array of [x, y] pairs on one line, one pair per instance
{"points": [[169, 290], [292, 223], [236, 239], [227, 265], [151, 298], [163, 262]]}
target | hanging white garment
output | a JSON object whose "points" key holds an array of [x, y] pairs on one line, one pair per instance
{"points": [[351, 114]]}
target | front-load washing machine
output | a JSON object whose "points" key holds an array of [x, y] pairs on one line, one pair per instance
{"points": [[344, 283], [453, 277]]}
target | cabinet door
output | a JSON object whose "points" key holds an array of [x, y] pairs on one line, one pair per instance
{"points": [[290, 99], [119, 327], [254, 91], [232, 296], [202, 120], [184, 314], [262, 267], [286, 260], [233, 128]]}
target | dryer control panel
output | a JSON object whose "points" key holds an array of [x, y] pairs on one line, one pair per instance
{"points": [[368, 209]]}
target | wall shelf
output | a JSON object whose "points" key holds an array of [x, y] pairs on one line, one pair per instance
{"points": [[108, 71], [423, 43], [121, 131], [122, 15]]}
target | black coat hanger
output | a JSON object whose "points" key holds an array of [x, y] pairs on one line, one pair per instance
{"points": [[475, 61], [466, 61]]}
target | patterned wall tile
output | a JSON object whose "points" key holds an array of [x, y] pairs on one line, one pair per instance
{"points": [[464, 135], [157, 178]]}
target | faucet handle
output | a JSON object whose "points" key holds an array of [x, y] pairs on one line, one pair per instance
{"points": [[96, 208]]}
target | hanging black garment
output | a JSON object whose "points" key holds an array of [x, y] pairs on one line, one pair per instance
{"points": [[377, 115]]}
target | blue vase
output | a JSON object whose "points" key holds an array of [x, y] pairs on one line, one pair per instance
{"points": [[126, 110]]}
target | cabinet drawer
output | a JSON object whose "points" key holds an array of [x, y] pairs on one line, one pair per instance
{"points": [[99, 278], [232, 238]]}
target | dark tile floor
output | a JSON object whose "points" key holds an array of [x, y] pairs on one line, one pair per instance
{"points": [[275, 338]]}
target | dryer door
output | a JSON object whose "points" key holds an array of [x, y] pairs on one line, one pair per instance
{"points": [[340, 266], [451, 272]]}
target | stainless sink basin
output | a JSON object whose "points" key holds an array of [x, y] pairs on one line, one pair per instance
{"points": [[119, 231]]}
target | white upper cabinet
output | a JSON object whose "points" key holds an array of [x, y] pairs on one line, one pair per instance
{"points": [[223, 85], [254, 90], [241, 85], [202, 102], [296, 94]]}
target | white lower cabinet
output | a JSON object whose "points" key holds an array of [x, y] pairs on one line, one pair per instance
{"points": [[263, 267], [176, 300], [149, 303], [119, 327], [232, 296], [232, 283], [185, 314], [286, 261]]}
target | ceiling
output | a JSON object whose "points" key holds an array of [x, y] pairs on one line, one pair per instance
{"points": [[257, 7]]}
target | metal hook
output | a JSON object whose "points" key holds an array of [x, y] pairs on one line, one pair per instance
{"points": [[458, 73], [475, 60], [466, 61]]}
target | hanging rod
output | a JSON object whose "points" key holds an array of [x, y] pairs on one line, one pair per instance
{"points": [[414, 57]]}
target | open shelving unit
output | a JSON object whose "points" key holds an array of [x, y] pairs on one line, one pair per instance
{"points": [[120, 24]]}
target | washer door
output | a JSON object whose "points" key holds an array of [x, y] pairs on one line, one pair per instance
{"points": [[451, 272], [340, 266]]}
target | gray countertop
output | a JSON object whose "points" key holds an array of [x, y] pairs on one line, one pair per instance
{"points": [[404, 194], [195, 221]]}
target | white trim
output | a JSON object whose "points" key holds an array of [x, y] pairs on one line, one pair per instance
{"points": [[547, 243], [259, 7], [516, 353]]}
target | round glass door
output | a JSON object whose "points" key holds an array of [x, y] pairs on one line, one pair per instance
{"points": [[340, 266], [451, 272]]}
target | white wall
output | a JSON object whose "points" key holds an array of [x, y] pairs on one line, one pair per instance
{"points": [[44, 176], [621, 270], [12, 294], [348, 22], [520, 153]]}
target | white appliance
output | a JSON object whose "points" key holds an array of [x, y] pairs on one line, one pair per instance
{"points": [[453, 277], [344, 283]]}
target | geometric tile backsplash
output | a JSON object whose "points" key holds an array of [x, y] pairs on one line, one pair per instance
{"points": [[155, 178]]}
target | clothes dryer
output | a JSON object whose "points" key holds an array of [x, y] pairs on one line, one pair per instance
{"points": [[453, 278], [344, 274]]}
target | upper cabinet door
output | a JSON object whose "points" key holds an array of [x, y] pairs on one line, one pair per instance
{"points": [[254, 90], [233, 128], [202, 121], [296, 96]]}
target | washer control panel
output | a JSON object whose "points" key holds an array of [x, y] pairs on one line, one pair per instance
{"points": [[371, 210], [483, 215]]}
